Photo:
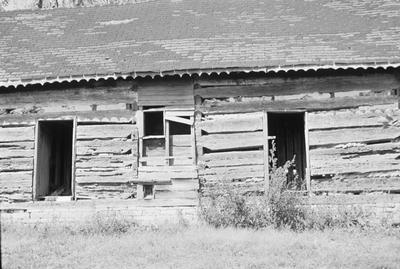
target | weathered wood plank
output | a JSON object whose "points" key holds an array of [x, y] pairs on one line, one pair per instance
{"points": [[105, 191], [16, 150], [283, 86], [231, 141], [111, 146], [234, 173], [180, 185], [105, 131], [83, 117], [356, 164], [104, 175], [247, 122], [364, 116], [16, 134], [162, 176], [353, 135], [16, 186], [232, 158], [180, 140], [71, 97], [357, 183], [221, 107], [165, 92], [161, 161], [16, 164], [117, 161]]}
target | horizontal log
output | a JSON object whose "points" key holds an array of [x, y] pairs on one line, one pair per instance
{"points": [[103, 95], [283, 86], [106, 161], [83, 117], [180, 185], [85, 132], [15, 180], [233, 173], [364, 116], [223, 107], [162, 176], [352, 150], [16, 164], [247, 122], [172, 168], [14, 134], [356, 183], [232, 158], [353, 135], [166, 93], [175, 194], [84, 176], [105, 191], [111, 146], [180, 140], [356, 164], [16, 151], [231, 141], [162, 160]]}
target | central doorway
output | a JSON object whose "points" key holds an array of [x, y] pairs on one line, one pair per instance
{"points": [[54, 163]]}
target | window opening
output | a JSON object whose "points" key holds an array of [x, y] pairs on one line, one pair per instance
{"points": [[148, 191], [177, 128], [153, 123]]}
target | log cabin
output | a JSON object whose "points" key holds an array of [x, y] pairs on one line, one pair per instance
{"points": [[160, 100]]}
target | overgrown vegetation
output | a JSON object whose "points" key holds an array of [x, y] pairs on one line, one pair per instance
{"points": [[66, 245], [281, 207]]}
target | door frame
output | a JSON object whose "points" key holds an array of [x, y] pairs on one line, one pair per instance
{"points": [[36, 156]]}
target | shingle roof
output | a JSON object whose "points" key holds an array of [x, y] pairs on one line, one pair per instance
{"points": [[178, 36]]}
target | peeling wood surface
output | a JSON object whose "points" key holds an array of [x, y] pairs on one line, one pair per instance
{"points": [[166, 92], [247, 122], [87, 117], [353, 135], [360, 117], [104, 131], [17, 134], [231, 141], [73, 98], [223, 88], [258, 104]]}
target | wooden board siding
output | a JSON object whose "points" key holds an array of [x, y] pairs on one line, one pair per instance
{"points": [[232, 146], [166, 92], [353, 128], [106, 146]]}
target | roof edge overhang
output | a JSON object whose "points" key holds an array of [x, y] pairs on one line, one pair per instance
{"points": [[197, 72]]}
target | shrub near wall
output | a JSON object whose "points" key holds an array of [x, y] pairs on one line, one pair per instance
{"points": [[281, 207]]}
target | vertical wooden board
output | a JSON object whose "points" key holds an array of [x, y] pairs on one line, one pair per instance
{"points": [[307, 153], [265, 151]]}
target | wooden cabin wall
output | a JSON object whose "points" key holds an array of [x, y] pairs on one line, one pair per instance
{"points": [[353, 122], [106, 136]]}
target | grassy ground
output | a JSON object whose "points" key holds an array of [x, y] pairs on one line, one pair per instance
{"points": [[195, 247]]}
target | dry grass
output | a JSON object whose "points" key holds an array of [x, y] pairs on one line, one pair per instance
{"points": [[123, 246]]}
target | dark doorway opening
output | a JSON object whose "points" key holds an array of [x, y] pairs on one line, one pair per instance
{"points": [[54, 159], [288, 129]]}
